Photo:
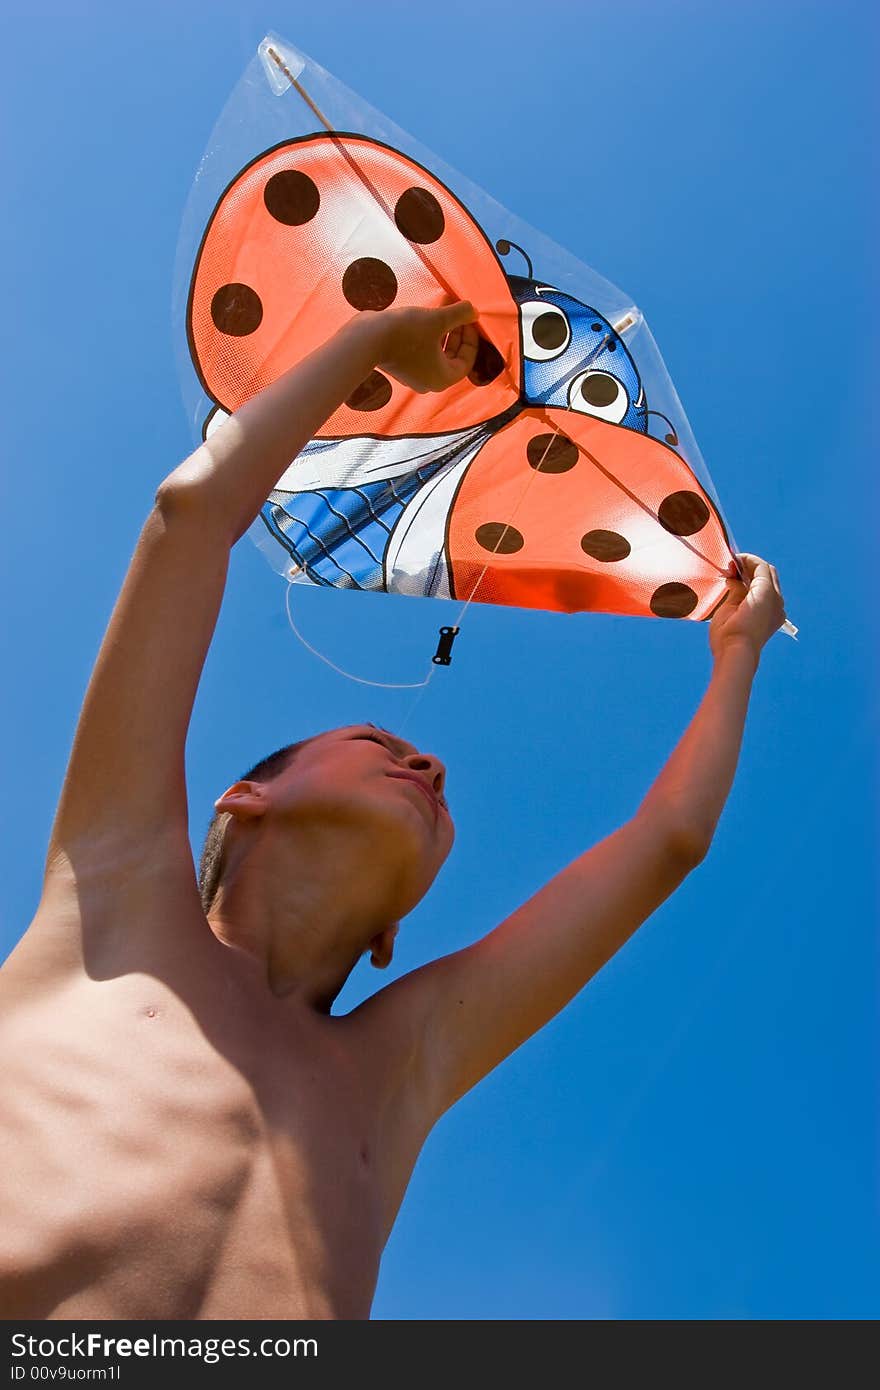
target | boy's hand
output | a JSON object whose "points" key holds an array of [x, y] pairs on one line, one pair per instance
{"points": [[751, 612], [428, 349]]}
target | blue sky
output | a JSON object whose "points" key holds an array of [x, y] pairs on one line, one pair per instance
{"points": [[694, 1137]]}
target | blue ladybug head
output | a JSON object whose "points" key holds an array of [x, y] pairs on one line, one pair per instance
{"points": [[573, 358]]}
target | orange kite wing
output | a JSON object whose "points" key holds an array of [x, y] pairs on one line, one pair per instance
{"points": [[313, 232], [567, 512]]}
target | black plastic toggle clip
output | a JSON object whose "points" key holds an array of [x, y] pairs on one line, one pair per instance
{"points": [[443, 654]]}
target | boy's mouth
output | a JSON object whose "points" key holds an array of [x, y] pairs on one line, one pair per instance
{"points": [[429, 795]]}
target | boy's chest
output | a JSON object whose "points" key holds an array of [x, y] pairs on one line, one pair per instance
{"points": [[190, 1157]]}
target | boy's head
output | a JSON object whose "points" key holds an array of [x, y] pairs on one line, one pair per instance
{"points": [[370, 797]]}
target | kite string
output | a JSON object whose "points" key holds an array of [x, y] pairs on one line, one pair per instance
{"points": [[420, 686], [349, 675]]}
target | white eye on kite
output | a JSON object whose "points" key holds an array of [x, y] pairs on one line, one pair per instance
{"points": [[600, 394], [546, 331]]}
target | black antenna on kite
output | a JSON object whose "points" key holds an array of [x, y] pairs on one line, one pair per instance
{"points": [[672, 437], [503, 248]]}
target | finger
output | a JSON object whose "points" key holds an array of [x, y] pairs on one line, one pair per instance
{"points": [[775, 578], [466, 351], [736, 591], [455, 369], [756, 571], [470, 344], [747, 564], [762, 576], [451, 373], [750, 564], [454, 315], [470, 336]]}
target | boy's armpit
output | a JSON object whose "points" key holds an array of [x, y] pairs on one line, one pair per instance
{"points": [[473, 1008]]}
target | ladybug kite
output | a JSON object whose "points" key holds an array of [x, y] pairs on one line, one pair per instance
{"points": [[537, 481]]}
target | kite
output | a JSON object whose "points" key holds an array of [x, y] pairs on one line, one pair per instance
{"points": [[560, 474]]}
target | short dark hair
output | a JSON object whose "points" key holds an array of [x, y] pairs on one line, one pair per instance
{"points": [[211, 863]]}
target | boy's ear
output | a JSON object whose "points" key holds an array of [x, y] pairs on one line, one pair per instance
{"points": [[382, 947], [244, 800]]}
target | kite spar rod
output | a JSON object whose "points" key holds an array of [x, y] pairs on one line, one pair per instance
{"points": [[279, 61]]}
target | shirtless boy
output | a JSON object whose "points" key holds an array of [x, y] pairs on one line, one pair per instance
{"points": [[187, 1130]]}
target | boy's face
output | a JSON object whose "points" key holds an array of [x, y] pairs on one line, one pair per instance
{"points": [[364, 777]]}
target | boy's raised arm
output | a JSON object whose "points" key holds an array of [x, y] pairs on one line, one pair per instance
{"points": [[470, 1010], [124, 794]]}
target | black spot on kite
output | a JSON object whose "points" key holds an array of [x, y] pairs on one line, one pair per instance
{"points": [[236, 310], [419, 216], [291, 197], [596, 327], [600, 389], [673, 601], [549, 331], [500, 539], [605, 546], [488, 364], [683, 513], [369, 284], [373, 392], [551, 453]]}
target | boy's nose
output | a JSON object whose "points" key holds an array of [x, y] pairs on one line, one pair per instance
{"points": [[430, 767]]}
